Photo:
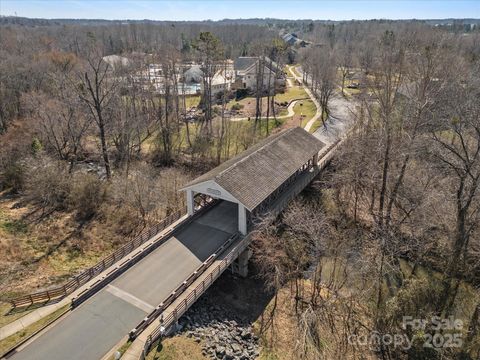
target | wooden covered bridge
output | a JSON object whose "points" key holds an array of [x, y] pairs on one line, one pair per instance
{"points": [[256, 178], [162, 277]]}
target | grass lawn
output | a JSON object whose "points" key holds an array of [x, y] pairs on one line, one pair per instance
{"points": [[238, 134], [272, 124], [176, 348], [351, 91], [192, 100], [292, 93], [7, 316], [10, 341], [295, 92], [316, 125], [295, 71], [122, 349], [246, 126], [307, 109]]}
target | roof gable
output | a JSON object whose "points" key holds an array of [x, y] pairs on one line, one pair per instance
{"points": [[242, 63], [250, 66]]}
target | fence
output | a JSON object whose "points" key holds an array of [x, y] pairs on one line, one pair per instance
{"points": [[324, 157], [181, 288], [190, 299], [87, 275], [166, 323]]}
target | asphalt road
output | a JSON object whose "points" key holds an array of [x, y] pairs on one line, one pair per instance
{"points": [[338, 123], [91, 330]]}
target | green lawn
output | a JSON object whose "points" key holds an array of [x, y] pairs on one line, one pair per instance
{"points": [[316, 125], [9, 315], [238, 134], [272, 124], [192, 100], [292, 93], [307, 109], [295, 71], [295, 92], [350, 92]]}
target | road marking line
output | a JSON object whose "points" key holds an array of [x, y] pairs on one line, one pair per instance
{"points": [[130, 298]]}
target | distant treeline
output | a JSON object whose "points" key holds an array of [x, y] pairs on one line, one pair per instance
{"points": [[25, 21]]}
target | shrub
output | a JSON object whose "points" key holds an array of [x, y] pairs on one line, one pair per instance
{"points": [[13, 177], [122, 220], [47, 183], [241, 93], [87, 194], [36, 146], [237, 107]]}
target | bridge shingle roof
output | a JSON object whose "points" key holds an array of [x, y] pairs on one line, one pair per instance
{"points": [[257, 172]]}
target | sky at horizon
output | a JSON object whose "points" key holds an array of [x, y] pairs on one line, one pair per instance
{"points": [[218, 9]]}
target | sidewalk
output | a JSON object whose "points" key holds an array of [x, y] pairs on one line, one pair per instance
{"points": [[317, 115], [289, 114], [340, 118], [43, 311]]}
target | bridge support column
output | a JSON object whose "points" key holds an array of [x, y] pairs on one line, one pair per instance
{"points": [[315, 159], [240, 266], [190, 202], [242, 219]]}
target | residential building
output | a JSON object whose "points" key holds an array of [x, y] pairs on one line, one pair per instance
{"points": [[247, 70], [116, 61]]}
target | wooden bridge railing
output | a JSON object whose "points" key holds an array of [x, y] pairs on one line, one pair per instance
{"points": [[181, 288], [79, 280], [171, 318]]}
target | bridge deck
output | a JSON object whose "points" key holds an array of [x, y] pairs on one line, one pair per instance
{"points": [[134, 352], [96, 326]]}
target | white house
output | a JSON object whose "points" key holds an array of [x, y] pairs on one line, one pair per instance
{"points": [[116, 61], [248, 68]]}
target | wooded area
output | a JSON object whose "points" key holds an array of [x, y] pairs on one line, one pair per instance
{"points": [[89, 158]]}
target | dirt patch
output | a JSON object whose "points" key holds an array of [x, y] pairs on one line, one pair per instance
{"points": [[248, 107]]}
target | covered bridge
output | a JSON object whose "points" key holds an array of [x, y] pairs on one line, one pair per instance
{"points": [[259, 174]]}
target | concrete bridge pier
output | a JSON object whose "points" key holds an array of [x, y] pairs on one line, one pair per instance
{"points": [[240, 266]]}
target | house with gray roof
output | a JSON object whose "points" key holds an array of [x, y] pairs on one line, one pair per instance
{"points": [[247, 70], [193, 75]]}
